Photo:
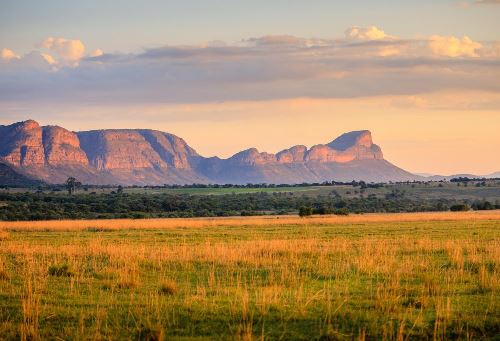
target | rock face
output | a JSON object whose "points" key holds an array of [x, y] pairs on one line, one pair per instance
{"points": [[292, 155], [140, 157], [21, 144], [62, 147]]}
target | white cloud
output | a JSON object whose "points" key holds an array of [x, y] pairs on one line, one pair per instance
{"points": [[365, 33], [69, 51], [8, 54], [48, 58], [449, 46], [96, 53]]}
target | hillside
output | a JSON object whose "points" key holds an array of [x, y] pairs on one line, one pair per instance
{"points": [[9, 177]]}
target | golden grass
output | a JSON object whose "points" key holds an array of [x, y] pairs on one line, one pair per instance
{"points": [[168, 287], [441, 283], [166, 223]]}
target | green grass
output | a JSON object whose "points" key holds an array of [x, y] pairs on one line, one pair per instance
{"points": [[397, 280]]}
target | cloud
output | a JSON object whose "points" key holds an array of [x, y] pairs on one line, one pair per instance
{"points": [[8, 54], [365, 33], [287, 40], [33, 61], [277, 40], [96, 53], [453, 46], [260, 68], [492, 50], [69, 51], [48, 58]]}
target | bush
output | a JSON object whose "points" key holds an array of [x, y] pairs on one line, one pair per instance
{"points": [[483, 205], [305, 211], [322, 210], [341, 211], [62, 270], [460, 208]]}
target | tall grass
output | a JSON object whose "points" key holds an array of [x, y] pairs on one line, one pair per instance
{"points": [[166, 223], [385, 277]]}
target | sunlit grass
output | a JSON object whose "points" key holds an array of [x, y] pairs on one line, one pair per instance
{"points": [[271, 221], [416, 276]]}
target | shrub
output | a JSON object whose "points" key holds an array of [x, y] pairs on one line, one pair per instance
{"points": [[459, 208], [305, 211], [341, 211], [168, 287], [483, 205], [150, 333], [62, 270], [322, 210]]}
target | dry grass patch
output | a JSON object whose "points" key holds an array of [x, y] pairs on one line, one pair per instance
{"points": [[168, 287], [270, 221], [4, 235], [4, 272]]}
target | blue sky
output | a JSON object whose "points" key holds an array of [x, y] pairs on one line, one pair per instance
{"points": [[227, 75], [128, 25]]}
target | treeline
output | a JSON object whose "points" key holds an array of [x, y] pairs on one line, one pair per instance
{"points": [[88, 187], [45, 206]]}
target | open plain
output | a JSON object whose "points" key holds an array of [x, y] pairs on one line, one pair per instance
{"points": [[383, 276]]}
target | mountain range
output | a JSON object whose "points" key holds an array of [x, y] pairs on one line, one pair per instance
{"points": [[149, 157]]}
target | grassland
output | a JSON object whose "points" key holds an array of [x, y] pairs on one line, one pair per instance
{"points": [[401, 276], [428, 190]]}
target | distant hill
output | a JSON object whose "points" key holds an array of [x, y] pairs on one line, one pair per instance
{"points": [[150, 157], [493, 175], [454, 176], [9, 177]]}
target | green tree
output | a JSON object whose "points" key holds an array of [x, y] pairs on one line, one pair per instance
{"points": [[72, 184], [305, 211]]}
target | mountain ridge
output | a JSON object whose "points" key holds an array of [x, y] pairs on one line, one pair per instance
{"points": [[151, 157]]}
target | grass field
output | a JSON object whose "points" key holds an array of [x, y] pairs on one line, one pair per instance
{"points": [[401, 276]]}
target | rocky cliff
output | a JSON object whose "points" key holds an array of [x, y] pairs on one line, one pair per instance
{"points": [[133, 156]]}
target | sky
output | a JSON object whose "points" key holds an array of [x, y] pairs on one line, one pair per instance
{"points": [[226, 75]]}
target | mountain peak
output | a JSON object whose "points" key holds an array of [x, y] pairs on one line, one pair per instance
{"points": [[351, 139], [29, 124]]}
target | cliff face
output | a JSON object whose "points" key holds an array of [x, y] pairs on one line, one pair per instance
{"points": [[142, 157], [356, 145], [62, 147], [119, 149], [132, 149], [21, 144], [292, 155]]}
